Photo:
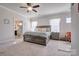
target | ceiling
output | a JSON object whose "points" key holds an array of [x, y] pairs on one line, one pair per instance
{"points": [[44, 9]]}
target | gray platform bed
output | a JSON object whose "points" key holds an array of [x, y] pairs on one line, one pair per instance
{"points": [[37, 37]]}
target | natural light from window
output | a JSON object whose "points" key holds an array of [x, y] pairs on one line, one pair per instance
{"points": [[55, 25], [34, 24], [68, 20]]}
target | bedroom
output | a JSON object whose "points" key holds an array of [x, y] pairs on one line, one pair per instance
{"points": [[57, 23], [50, 20]]}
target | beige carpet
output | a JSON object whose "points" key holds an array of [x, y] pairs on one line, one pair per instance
{"points": [[54, 48]]}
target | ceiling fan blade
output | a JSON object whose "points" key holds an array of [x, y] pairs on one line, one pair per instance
{"points": [[34, 10], [29, 4], [22, 7], [36, 6]]}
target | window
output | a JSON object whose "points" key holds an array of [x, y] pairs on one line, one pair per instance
{"points": [[55, 25], [34, 24], [68, 20]]}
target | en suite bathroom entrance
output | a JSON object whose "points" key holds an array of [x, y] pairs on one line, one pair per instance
{"points": [[18, 28]]}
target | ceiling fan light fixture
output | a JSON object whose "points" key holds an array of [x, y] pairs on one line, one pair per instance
{"points": [[29, 8]]}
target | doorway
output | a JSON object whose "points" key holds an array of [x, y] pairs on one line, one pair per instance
{"points": [[18, 28]]}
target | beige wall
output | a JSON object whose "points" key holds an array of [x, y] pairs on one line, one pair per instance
{"points": [[7, 30], [64, 27], [75, 29]]}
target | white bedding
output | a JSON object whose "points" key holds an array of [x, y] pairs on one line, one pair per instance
{"points": [[42, 34]]}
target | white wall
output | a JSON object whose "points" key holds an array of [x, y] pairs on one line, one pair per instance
{"points": [[75, 29], [64, 27], [7, 30]]}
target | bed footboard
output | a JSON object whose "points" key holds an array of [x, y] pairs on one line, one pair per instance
{"points": [[35, 39]]}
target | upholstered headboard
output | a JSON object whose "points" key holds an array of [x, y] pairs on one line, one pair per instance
{"points": [[44, 28]]}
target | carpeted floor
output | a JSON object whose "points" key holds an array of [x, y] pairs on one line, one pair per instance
{"points": [[54, 48]]}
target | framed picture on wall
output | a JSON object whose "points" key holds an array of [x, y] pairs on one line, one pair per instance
{"points": [[6, 21]]}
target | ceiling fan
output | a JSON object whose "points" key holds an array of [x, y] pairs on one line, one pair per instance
{"points": [[29, 7]]}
